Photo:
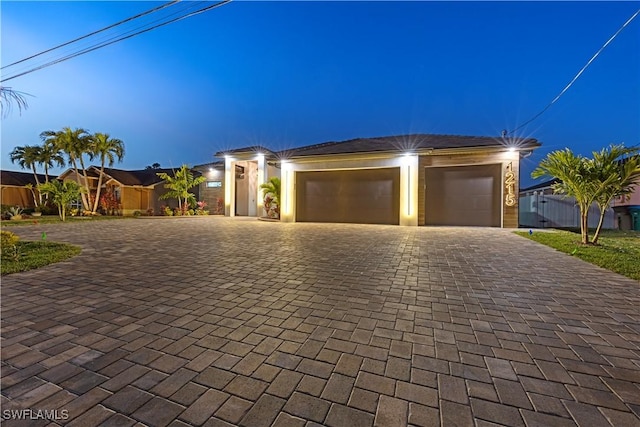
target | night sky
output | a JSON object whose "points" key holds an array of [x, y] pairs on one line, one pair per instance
{"points": [[286, 74]]}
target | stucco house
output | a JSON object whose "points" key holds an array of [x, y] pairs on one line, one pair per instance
{"points": [[13, 191], [412, 180], [131, 190]]}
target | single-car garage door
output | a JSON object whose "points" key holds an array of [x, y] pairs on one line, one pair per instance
{"points": [[463, 195], [367, 196]]}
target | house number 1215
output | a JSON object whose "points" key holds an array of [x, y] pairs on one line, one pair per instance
{"points": [[510, 186]]}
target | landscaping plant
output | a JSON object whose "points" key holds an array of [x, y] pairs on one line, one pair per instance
{"points": [[61, 194]]}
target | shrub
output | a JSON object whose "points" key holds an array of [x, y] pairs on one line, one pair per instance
{"points": [[137, 213], [9, 245]]}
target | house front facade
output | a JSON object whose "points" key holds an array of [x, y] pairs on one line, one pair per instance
{"points": [[13, 190], [123, 192], [406, 180]]}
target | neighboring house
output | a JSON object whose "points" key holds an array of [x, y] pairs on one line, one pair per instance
{"points": [[627, 210], [540, 208], [125, 192], [407, 180], [13, 191]]}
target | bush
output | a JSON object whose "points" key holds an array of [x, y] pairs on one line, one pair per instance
{"points": [[137, 214], [9, 245]]}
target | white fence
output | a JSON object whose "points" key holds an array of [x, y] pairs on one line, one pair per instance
{"points": [[552, 211]]}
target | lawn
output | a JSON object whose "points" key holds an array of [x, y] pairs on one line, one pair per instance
{"points": [[618, 251], [55, 219], [29, 255]]}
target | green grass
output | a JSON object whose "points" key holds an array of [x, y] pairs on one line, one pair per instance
{"points": [[55, 219], [618, 251], [35, 255]]}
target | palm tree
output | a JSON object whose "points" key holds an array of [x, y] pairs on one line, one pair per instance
{"points": [[75, 143], [107, 149], [179, 185], [49, 156], [8, 97], [615, 171], [575, 176], [272, 189], [61, 193], [27, 157]]}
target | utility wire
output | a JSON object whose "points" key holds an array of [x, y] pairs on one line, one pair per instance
{"points": [[155, 9], [505, 133], [177, 10], [95, 47]]}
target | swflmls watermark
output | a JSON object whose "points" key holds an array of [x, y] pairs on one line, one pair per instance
{"points": [[35, 414]]}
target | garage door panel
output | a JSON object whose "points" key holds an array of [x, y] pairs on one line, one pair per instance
{"points": [[368, 196], [463, 195]]}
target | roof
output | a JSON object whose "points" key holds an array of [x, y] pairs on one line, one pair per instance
{"points": [[398, 143], [545, 184], [413, 142], [20, 179], [216, 165], [143, 177], [252, 149]]}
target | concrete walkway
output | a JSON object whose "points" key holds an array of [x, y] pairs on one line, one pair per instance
{"points": [[214, 321]]}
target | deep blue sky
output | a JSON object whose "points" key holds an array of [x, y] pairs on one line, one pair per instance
{"points": [[286, 74]]}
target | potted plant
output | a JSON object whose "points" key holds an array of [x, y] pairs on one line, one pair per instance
{"points": [[37, 211]]}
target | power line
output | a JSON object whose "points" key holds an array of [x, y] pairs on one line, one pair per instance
{"points": [[155, 9], [95, 47], [505, 133]]}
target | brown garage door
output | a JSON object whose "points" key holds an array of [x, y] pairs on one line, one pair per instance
{"points": [[463, 195], [369, 196]]}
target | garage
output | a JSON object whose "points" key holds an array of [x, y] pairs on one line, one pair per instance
{"points": [[365, 196], [463, 195]]}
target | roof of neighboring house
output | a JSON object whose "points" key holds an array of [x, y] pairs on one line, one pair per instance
{"points": [[545, 184], [143, 177], [399, 143], [20, 179]]}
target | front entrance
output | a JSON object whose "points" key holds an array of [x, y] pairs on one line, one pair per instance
{"points": [[246, 186]]}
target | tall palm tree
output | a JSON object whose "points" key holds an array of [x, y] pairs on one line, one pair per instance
{"points": [[27, 157], [615, 171], [75, 143], [107, 149], [50, 156], [575, 176]]}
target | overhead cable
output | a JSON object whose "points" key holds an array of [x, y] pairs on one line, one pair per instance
{"points": [[155, 9], [505, 133], [110, 42]]}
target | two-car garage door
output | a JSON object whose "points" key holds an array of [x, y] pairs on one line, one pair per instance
{"points": [[364, 196]]}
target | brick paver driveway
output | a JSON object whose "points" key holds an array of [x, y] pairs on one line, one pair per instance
{"points": [[216, 321]]}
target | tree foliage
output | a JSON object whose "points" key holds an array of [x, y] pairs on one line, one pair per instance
{"points": [[272, 192], [609, 174], [61, 193], [107, 149], [179, 185]]}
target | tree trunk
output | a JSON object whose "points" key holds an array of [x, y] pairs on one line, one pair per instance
{"points": [[584, 226], [87, 195], [82, 195], [600, 222], [95, 203], [35, 175]]}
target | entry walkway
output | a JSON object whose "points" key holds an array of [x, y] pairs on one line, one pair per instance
{"points": [[216, 322]]}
